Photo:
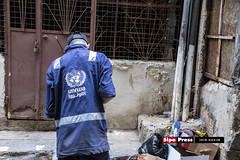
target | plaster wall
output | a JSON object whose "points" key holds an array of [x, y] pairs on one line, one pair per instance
{"points": [[141, 88], [219, 110]]}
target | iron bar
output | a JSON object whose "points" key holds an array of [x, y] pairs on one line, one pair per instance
{"points": [[93, 25], [38, 59], [9, 61], [219, 40], [219, 79], [60, 10], [115, 31], [22, 10], [220, 37]]}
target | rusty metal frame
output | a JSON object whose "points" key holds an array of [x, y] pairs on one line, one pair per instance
{"points": [[38, 55], [93, 23], [8, 61], [219, 37]]}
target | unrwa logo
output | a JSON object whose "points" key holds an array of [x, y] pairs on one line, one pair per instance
{"points": [[75, 78]]}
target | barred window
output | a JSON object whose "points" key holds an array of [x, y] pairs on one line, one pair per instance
{"points": [[138, 30], [66, 16], [23, 14], [123, 29]]}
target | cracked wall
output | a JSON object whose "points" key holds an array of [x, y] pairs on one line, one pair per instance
{"points": [[220, 112], [142, 88]]}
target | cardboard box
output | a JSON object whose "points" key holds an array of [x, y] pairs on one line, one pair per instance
{"points": [[204, 149], [148, 157], [180, 153]]}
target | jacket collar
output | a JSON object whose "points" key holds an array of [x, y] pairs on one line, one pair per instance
{"points": [[73, 46]]}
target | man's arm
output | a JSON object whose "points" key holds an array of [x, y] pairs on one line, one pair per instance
{"points": [[50, 98], [106, 87]]}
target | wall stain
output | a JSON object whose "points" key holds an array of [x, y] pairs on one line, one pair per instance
{"points": [[131, 81], [157, 73]]}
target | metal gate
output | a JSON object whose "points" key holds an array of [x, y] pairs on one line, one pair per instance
{"points": [[36, 33]]}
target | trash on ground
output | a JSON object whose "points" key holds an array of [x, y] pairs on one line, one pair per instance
{"points": [[154, 146], [148, 157]]}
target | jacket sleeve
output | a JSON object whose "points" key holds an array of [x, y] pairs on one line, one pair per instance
{"points": [[106, 87], [50, 98]]}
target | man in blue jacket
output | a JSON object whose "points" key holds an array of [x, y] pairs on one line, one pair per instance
{"points": [[78, 83]]}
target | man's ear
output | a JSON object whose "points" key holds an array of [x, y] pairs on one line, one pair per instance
{"points": [[88, 45]]}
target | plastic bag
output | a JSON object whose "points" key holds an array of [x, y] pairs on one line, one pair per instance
{"points": [[154, 146]]}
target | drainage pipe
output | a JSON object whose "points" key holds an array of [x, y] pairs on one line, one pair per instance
{"points": [[201, 49], [177, 90], [190, 59]]}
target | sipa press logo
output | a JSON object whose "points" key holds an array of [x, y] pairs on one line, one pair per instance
{"points": [[169, 139], [177, 140]]}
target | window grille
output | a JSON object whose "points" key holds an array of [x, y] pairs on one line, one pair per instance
{"points": [[138, 30], [2, 13], [66, 16], [23, 14], [124, 29]]}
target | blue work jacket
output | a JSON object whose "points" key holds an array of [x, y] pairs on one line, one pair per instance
{"points": [[76, 84]]}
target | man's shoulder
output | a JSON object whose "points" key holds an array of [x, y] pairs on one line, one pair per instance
{"points": [[57, 63], [96, 56]]}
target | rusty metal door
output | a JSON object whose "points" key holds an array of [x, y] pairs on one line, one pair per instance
{"points": [[22, 62], [37, 34]]}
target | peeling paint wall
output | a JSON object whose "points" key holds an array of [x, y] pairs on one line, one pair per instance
{"points": [[142, 88], [220, 112]]}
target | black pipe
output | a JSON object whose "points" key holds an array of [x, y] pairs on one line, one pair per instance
{"points": [[194, 22]]}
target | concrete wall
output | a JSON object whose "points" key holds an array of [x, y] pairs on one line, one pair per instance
{"points": [[142, 88], [220, 112]]}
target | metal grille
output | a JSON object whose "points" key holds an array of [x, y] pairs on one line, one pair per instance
{"points": [[138, 30], [23, 14], [2, 26], [66, 16]]}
